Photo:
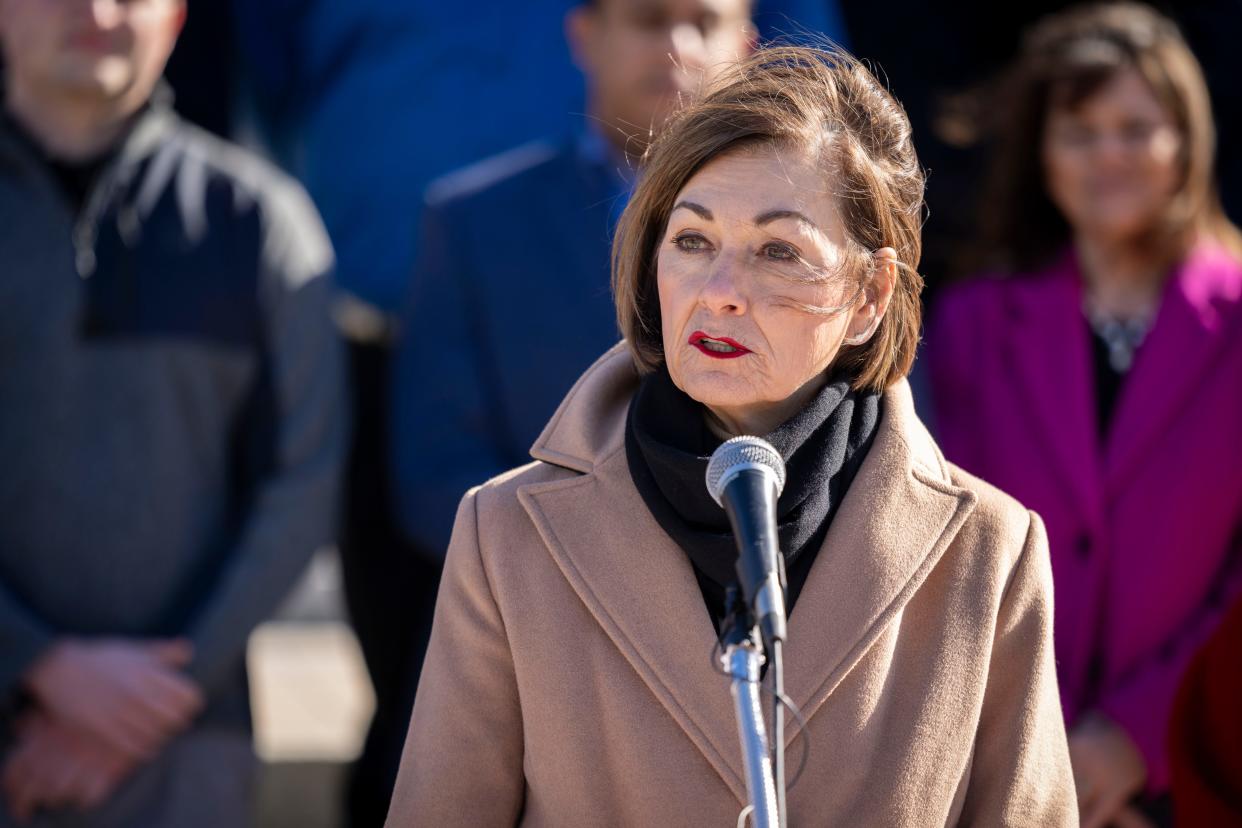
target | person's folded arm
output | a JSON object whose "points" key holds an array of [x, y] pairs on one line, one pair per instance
{"points": [[294, 508]]}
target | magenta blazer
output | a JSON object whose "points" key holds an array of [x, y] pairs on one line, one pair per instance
{"points": [[1145, 527]]}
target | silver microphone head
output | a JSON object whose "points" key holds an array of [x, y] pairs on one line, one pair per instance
{"points": [[740, 454]]}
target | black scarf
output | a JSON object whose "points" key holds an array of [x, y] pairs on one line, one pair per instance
{"points": [[668, 445]]}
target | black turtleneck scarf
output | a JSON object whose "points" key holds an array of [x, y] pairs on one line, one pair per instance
{"points": [[668, 445]]}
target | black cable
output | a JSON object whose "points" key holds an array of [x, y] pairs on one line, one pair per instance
{"points": [[782, 700], [802, 731], [717, 667]]}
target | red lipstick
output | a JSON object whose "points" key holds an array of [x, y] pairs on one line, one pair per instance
{"points": [[717, 347], [91, 41]]}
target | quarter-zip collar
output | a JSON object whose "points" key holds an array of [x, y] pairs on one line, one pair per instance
{"points": [[149, 127]]}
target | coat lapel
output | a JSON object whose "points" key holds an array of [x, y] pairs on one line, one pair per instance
{"points": [[640, 588], [898, 517], [1189, 331], [1050, 355]]}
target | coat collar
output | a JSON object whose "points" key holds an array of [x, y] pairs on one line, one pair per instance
{"points": [[589, 424], [150, 129], [900, 514]]}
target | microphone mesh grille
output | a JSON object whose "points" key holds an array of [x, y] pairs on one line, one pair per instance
{"points": [[739, 451]]}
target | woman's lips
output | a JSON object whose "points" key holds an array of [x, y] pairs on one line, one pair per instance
{"points": [[718, 347], [91, 41]]}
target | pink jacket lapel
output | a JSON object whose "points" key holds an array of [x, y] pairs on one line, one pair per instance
{"points": [[1051, 358], [1176, 357]]}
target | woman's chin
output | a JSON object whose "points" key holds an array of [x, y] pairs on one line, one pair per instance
{"points": [[716, 389], [1118, 226]]}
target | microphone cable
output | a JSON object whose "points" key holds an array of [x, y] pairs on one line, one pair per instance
{"points": [[802, 733]]}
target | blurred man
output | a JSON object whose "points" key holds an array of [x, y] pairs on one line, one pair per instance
{"points": [[511, 296], [511, 302], [170, 423]]}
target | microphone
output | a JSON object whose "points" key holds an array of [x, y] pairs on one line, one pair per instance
{"points": [[745, 476]]}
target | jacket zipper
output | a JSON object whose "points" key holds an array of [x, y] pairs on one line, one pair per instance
{"points": [[86, 227]]}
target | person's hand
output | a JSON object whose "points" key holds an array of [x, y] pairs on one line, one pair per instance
{"points": [[128, 694], [1131, 817], [54, 766], [1108, 769]]}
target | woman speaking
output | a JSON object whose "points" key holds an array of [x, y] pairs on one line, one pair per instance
{"points": [[764, 274]]}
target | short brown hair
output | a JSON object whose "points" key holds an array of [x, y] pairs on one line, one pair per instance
{"points": [[807, 99], [1064, 59]]}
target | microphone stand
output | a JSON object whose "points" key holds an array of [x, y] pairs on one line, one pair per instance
{"points": [[776, 666], [743, 656]]}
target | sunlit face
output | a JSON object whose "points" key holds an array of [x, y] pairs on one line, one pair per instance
{"points": [[642, 56], [95, 49], [1113, 163], [754, 242]]}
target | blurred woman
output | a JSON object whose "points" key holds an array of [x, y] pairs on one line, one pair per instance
{"points": [[764, 274], [1094, 372]]}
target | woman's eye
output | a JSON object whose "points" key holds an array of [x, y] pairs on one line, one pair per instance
{"points": [[779, 252], [1073, 134], [690, 242], [1138, 132]]}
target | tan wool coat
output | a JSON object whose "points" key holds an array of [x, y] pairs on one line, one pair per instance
{"points": [[569, 679]]}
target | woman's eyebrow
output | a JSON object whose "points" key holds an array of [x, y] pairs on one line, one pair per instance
{"points": [[698, 209], [760, 220], [773, 215]]}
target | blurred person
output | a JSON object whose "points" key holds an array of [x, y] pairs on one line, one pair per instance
{"points": [[765, 279], [1092, 374], [171, 421], [942, 77], [1205, 734]]}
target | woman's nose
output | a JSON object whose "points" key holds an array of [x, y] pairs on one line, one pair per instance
{"points": [[722, 293], [1112, 149], [105, 14]]}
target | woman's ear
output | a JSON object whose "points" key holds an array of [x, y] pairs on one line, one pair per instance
{"points": [[876, 293]]}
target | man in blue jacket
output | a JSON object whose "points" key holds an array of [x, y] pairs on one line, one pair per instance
{"points": [[171, 423], [510, 299]]}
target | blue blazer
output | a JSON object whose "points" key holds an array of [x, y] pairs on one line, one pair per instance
{"points": [[510, 303]]}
